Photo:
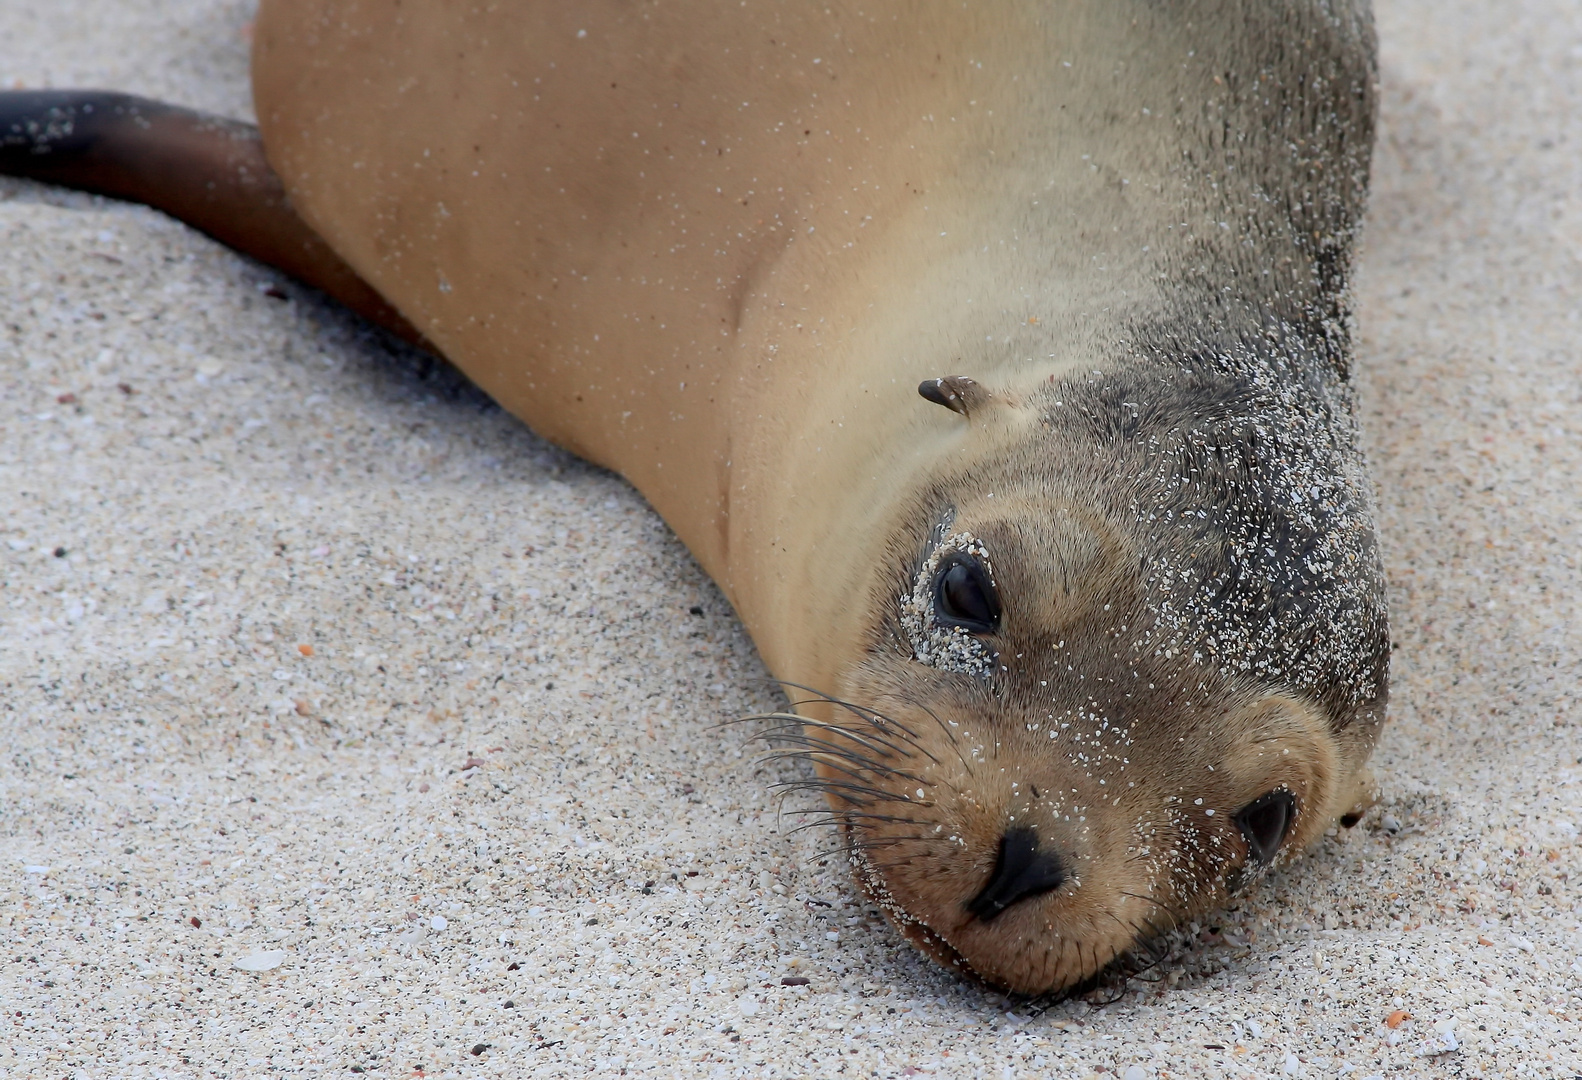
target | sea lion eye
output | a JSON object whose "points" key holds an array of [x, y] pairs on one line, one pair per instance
{"points": [[1265, 821], [964, 596]]}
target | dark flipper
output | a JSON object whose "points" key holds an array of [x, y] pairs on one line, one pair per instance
{"points": [[204, 170]]}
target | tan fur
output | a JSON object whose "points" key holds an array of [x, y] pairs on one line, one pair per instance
{"points": [[716, 246]]}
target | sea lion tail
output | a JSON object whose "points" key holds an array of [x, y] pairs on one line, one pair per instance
{"points": [[207, 171]]}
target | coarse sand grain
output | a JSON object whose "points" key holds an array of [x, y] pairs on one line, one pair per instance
{"points": [[349, 727]]}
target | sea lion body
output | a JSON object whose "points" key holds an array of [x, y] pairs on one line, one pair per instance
{"points": [[1092, 646], [712, 248]]}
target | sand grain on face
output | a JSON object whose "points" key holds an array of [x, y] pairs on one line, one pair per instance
{"points": [[487, 806]]}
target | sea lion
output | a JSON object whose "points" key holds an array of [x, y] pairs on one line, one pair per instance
{"points": [[994, 360]]}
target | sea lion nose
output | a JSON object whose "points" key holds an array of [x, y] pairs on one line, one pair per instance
{"points": [[1023, 871]]}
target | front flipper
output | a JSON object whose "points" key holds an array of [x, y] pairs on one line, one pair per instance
{"points": [[207, 171]]}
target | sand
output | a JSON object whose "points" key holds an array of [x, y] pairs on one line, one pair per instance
{"points": [[349, 726]]}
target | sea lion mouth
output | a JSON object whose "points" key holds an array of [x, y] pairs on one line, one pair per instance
{"points": [[919, 933], [1021, 864]]}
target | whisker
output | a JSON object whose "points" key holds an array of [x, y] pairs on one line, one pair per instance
{"points": [[872, 716], [857, 819], [786, 725], [890, 819], [893, 864], [876, 842], [824, 856], [814, 745], [860, 771], [955, 744], [1172, 915], [845, 789], [850, 742], [840, 820], [893, 737]]}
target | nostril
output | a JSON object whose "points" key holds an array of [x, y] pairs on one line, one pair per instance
{"points": [[1023, 871], [1265, 822]]}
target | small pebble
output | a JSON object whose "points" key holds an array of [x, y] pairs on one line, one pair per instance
{"points": [[261, 961]]}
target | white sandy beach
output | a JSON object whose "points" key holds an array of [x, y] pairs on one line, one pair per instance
{"points": [[308, 652]]}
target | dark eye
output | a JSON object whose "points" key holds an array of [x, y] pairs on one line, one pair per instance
{"points": [[964, 596], [1265, 821]]}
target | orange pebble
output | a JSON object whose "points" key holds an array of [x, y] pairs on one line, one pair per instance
{"points": [[1484, 941], [1397, 1018], [305, 650]]}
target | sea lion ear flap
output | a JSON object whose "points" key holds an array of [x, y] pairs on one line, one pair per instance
{"points": [[957, 393]]}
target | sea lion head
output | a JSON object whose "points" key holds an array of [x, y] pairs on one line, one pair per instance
{"points": [[1117, 664]]}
